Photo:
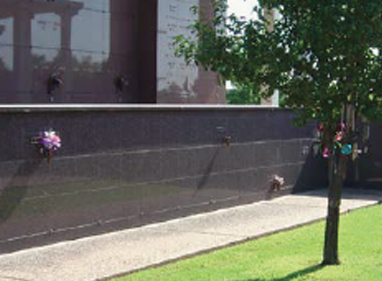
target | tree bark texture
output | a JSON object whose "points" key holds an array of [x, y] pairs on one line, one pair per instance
{"points": [[337, 173], [337, 170]]}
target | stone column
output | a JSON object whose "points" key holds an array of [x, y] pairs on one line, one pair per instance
{"points": [[22, 59], [66, 30], [65, 56]]}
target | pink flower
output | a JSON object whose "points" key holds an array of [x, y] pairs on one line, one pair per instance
{"points": [[320, 127], [325, 152], [56, 141], [339, 136], [50, 140]]}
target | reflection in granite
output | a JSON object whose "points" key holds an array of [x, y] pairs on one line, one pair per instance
{"points": [[82, 40], [179, 82], [91, 43], [366, 171]]}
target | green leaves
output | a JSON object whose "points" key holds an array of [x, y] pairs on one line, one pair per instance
{"points": [[321, 54]]}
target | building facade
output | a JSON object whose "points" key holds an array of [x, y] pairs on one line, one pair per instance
{"points": [[98, 51]]}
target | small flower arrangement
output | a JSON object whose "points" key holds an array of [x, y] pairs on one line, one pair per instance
{"points": [[277, 182], [344, 148], [47, 142]]}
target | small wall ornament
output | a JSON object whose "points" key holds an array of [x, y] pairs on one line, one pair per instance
{"points": [[277, 182], [48, 142]]}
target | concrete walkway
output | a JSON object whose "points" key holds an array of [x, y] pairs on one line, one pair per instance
{"points": [[111, 254]]}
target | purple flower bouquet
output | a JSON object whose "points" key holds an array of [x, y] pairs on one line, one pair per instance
{"points": [[47, 142]]}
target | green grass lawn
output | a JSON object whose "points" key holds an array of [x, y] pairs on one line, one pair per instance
{"points": [[291, 255]]}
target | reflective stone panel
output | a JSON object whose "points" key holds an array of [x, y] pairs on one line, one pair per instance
{"points": [[118, 169], [90, 45], [99, 51], [177, 81], [173, 73]]}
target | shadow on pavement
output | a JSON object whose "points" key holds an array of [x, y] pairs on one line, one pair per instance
{"points": [[349, 193]]}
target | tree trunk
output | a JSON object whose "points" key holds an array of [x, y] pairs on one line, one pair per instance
{"points": [[337, 169], [337, 173]]}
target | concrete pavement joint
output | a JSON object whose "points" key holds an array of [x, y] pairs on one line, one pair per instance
{"points": [[218, 234]]}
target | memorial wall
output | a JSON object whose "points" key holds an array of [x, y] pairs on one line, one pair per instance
{"points": [[85, 46], [98, 51], [121, 168]]}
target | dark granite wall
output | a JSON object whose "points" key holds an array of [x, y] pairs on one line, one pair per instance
{"points": [[124, 167], [366, 172]]}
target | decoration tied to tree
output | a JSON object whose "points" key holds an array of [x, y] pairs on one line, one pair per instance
{"points": [[339, 145]]}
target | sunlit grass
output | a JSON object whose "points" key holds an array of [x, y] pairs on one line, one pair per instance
{"points": [[291, 255]]}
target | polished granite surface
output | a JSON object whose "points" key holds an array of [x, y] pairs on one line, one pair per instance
{"points": [[124, 168]]}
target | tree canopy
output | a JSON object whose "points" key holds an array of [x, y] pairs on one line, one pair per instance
{"points": [[321, 55]]}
